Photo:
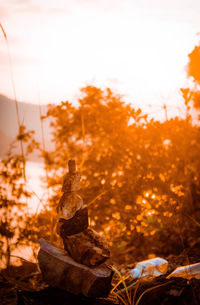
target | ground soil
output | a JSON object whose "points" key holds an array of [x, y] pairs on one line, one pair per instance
{"points": [[24, 286]]}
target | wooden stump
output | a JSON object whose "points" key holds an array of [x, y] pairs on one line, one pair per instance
{"points": [[61, 271]]}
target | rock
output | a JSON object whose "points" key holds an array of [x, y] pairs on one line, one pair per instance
{"points": [[71, 181], [69, 204], [87, 247], [83, 244], [78, 223], [61, 271]]}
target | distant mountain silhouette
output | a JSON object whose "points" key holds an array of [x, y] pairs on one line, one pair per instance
{"points": [[29, 116]]}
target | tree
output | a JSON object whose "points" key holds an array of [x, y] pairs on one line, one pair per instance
{"points": [[13, 195], [194, 64], [136, 174], [191, 96]]}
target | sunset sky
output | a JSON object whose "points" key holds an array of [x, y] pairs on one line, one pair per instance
{"points": [[137, 47]]}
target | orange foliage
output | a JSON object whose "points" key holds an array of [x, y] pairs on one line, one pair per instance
{"points": [[141, 180]]}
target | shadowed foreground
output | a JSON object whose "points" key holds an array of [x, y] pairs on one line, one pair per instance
{"points": [[24, 285]]}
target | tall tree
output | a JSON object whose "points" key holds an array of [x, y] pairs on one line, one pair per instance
{"points": [[191, 96], [136, 173], [194, 64]]}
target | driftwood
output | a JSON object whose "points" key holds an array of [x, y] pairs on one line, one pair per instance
{"points": [[87, 247], [61, 271], [75, 225]]}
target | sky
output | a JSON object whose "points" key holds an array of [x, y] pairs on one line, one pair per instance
{"points": [[138, 48]]}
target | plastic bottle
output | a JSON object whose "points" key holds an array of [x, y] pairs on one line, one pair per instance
{"points": [[186, 272], [150, 268]]}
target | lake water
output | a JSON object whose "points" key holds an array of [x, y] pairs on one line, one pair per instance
{"points": [[35, 173]]}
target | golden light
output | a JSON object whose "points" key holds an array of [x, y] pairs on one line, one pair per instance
{"points": [[62, 48], [128, 207], [112, 201], [107, 229]]}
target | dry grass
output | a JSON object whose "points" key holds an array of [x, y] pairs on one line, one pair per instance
{"points": [[127, 295]]}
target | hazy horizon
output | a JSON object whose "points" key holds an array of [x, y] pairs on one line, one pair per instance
{"points": [[139, 50]]}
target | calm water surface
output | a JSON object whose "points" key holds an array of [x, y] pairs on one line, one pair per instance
{"points": [[35, 174]]}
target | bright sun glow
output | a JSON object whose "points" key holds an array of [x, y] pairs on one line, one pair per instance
{"points": [[58, 48]]}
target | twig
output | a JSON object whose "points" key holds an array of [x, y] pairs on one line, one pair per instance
{"points": [[15, 256], [97, 197]]}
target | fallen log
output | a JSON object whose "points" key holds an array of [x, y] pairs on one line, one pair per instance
{"points": [[61, 271]]}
